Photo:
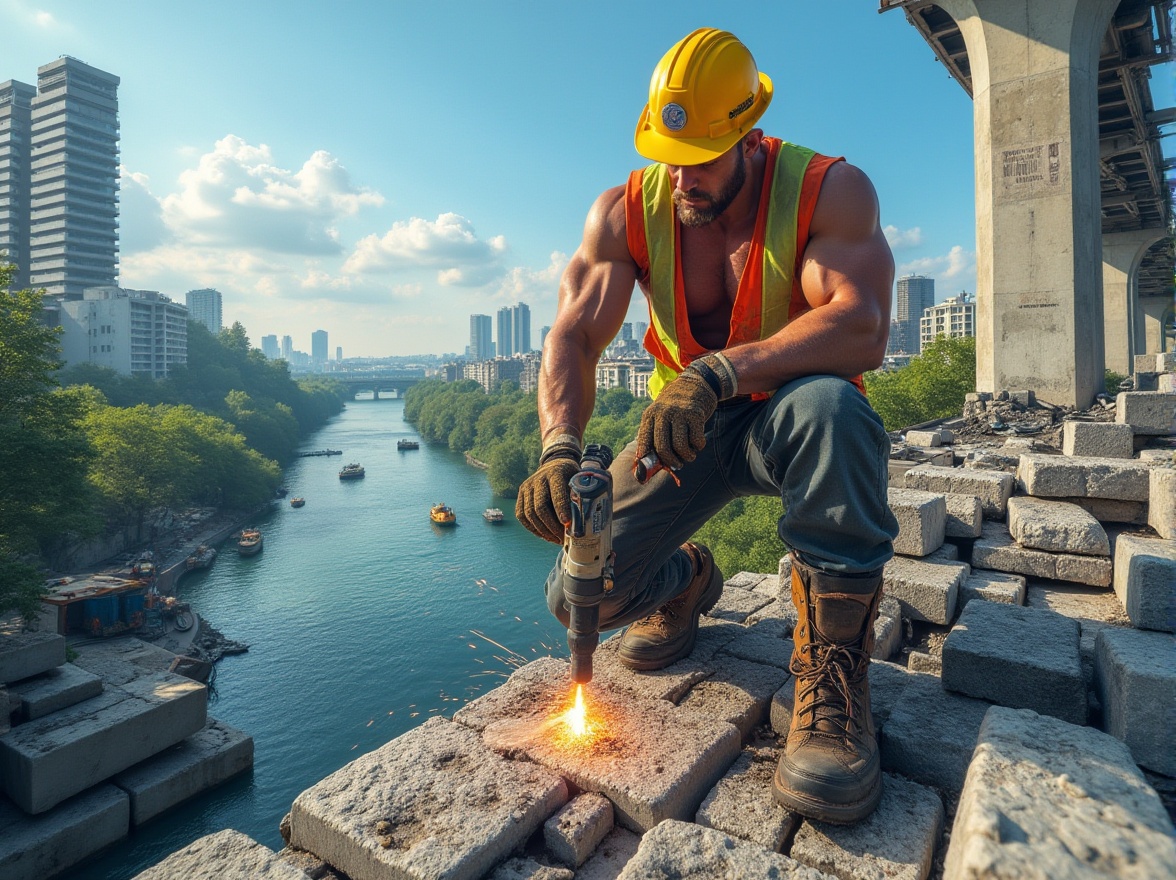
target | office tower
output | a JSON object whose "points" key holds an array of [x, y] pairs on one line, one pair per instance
{"points": [[73, 219], [16, 124], [916, 293], [543, 331], [896, 341], [287, 348], [269, 347], [318, 347], [505, 325], [639, 328], [338, 353], [135, 332], [626, 332], [521, 329], [480, 342], [204, 306], [954, 317]]}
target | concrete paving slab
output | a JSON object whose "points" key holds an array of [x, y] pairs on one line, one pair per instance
{"points": [[897, 841], [1135, 677], [929, 734], [1093, 608], [997, 550], [745, 580], [779, 609], [225, 855], [525, 868], [924, 438], [670, 683], [993, 488], [1145, 581], [736, 604], [947, 553], [118, 661], [921, 661], [434, 802], [922, 518], [1161, 511], [685, 851], [1098, 439], [763, 642], [59, 688], [573, 833], [737, 691], [1045, 798], [611, 856], [36, 847], [50, 759], [1056, 526], [536, 686], [1108, 510], [993, 586], [212, 755], [741, 803], [965, 515], [1058, 476], [1147, 412], [652, 759], [1024, 658], [925, 590], [25, 654]]}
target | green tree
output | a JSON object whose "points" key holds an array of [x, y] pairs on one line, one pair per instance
{"points": [[743, 535], [932, 386]]}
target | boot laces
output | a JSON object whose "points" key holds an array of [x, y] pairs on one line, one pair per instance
{"points": [[665, 618], [831, 675]]}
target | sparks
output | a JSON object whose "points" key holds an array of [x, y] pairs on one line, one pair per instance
{"points": [[576, 717]]}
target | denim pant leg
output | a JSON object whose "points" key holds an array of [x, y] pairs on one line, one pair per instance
{"points": [[650, 523], [819, 444]]}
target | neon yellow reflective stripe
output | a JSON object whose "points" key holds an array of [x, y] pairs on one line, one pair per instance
{"points": [[662, 376], [780, 237], [657, 195]]}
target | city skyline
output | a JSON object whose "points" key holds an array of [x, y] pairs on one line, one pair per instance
{"points": [[458, 192]]}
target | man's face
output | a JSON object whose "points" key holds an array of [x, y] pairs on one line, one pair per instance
{"points": [[703, 192]]}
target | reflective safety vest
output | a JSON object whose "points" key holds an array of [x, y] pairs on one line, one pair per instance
{"points": [[769, 294]]}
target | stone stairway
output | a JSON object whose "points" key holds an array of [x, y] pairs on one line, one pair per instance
{"points": [[1023, 686], [93, 748]]}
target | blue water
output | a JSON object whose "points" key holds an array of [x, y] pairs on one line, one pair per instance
{"points": [[361, 618]]}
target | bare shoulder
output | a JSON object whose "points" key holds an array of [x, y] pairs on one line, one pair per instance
{"points": [[847, 207], [604, 229]]}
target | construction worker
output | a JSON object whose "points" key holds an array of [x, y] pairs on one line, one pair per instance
{"points": [[768, 280]]}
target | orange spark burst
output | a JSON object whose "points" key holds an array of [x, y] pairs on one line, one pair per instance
{"points": [[576, 718]]}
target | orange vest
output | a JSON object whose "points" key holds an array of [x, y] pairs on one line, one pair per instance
{"points": [[769, 294]]}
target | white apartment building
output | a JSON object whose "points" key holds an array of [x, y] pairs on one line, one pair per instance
{"points": [[954, 317], [204, 307], [612, 374], [134, 332]]}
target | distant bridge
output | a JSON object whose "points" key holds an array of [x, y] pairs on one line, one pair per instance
{"points": [[377, 381]]}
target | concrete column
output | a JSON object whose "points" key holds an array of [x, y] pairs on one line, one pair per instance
{"points": [[1039, 310], [1122, 253], [1155, 313]]}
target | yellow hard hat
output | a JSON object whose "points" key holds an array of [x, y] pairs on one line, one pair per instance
{"points": [[705, 94]]}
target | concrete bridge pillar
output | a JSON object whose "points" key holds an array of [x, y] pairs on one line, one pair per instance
{"points": [[1039, 310], [1156, 314], [1122, 253]]}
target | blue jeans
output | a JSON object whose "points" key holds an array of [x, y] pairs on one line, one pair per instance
{"points": [[815, 443]]}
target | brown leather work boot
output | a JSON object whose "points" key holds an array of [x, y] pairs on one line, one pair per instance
{"points": [[668, 634], [830, 769]]}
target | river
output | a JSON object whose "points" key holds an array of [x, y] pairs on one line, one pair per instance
{"points": [[363, 619]]}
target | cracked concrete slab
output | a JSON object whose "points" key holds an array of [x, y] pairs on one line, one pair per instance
{"points": [[225, 855], [737, 691], [35, 847], [993, 488], [1059, 476], [741, 803], [764, 642], [59, 688], [993, 586], [572, 834], [735, 605], [25, 654], [925, 590], [996, 550], [1056, 526]]}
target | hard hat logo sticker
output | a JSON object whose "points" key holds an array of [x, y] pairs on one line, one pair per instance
{"points": [[674, 117]]}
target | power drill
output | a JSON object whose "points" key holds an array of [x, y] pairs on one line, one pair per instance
{"points": [[588, 556]]}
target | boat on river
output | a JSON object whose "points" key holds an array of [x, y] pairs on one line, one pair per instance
{"points": [[493, 514], [249, 542], [408, 444], [201, 558], [442, 514], [351, 471], [297, 502]]}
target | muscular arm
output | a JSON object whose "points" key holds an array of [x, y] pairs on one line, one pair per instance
{"points": [[594, 296], [846, 276]]}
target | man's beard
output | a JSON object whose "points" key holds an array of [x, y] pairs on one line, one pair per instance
{"points": [[693, 216]]}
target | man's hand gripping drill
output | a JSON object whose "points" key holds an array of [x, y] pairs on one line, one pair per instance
{"points": [[588, 556]]}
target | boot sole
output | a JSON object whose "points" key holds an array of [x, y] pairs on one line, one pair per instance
{"points": [[708, 602], [825, 811]]}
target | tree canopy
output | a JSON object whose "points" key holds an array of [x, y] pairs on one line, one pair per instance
{"points": [[932, 386]]}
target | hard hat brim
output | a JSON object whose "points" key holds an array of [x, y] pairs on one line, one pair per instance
{"points": [[652, 144]]}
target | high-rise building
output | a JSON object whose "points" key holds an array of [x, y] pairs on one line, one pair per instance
{"points": [[504, 341], [521, 329], [338, 353], [318, 347], [916, 294], [543, 331], [481, 345], [639, 328], [954, 317], [204, 306], [288, 349], [16, 127], [135, 332], [269, 347], [73, 208]]}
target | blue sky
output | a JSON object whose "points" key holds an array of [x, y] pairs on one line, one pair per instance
{"points": [[382, 170]]}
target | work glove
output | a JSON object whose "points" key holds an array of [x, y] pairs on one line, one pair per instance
{"points": [[543, 505], [674, 425]]}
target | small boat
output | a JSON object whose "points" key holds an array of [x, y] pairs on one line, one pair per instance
{"points": [[201, 558], [297, 502], [442, 514], [493, 514], [249, 542], [351, 472], [407, 444]]}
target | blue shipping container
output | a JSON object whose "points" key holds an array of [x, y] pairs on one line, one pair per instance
{"points": [[130, 603]]}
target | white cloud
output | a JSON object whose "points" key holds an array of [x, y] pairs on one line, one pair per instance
{"points": [[237, 197], [956, 263], [22, 11], [448, 244], [903, 238], [522, 284], [140, 214]]}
